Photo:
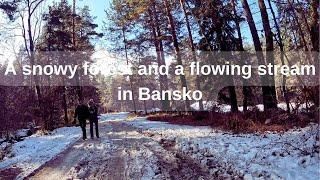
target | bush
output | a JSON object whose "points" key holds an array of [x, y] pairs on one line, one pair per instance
{"points": [[253, 121], [239, 125]]}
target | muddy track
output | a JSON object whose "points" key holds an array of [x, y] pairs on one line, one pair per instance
{"points": [[184, 166], [122, 152], [177, 167]]}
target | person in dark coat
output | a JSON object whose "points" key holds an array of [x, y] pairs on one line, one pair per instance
{"points": [[82, 114], [93, 118]]}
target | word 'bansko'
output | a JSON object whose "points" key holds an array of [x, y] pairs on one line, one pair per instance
{"points": [[155, 95]]}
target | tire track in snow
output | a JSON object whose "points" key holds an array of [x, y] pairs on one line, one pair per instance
{"points": [[122, 152]]}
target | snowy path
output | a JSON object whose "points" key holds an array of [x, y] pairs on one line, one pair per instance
{"points": [[121, 153], [141, 149], [27, 155]]}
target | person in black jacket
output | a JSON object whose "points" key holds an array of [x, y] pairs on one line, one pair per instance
{"points": [[82, 114], [93, 118]]}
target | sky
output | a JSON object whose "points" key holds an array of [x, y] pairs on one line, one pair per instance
{"points": [[97, 8]]}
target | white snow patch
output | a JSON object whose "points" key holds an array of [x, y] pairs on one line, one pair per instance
{"points": [[37, 149], [289, 155], [141, 164], [22, 132], [170, 130], [208, 105], [114, 116]]}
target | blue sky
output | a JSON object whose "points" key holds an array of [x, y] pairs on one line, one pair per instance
{"points": [[98, 8]]}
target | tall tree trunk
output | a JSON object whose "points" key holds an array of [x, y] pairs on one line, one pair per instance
{"points": [[3, 107], [272, 96], [267, 91], [176, 47], [253, 29], [231, 87], [193, 49], [280, 42], [202, 29], [221, 40], [303, 15], [298, 24], [315, 25], [315, 43], [74, 43], [127, 59], [156, 33], [32, 60], [65, 106], [245, 87]]}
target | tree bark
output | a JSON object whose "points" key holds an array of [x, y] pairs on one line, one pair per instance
{"points": [[31, 51], [271, 94], [280, 42], [193, 49], [65, 106], [298, 24], [74, 43], [127, 59], [3, 109], [156, 33], [176, 47], [245, 88], [315, 25], [267, 91]]}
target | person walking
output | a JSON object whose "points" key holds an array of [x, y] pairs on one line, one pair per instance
{"points": [[82, 114], [93, 118]]}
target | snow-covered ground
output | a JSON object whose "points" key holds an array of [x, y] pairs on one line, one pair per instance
{"points": [[114, 117], [290, 155], [208, 105], [37, 149]]}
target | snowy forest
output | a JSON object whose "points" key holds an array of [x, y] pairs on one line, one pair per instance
{"points": [[257, 127]]}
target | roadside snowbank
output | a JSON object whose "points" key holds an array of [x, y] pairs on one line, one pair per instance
{"points": [[290, 155], [37, 149], [208, 105]]}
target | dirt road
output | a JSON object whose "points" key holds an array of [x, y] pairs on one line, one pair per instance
{"points": [[122, 152]]}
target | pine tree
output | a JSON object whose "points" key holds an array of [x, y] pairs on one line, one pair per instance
{"points": [[58, 37], [269, 100], [216, 20]]}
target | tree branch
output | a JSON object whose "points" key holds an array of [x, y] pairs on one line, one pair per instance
{"points": [[36, 6]]}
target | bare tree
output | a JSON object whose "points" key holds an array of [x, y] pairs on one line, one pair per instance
{"points": [[176, 46], [28, 33], [193, 49]]}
